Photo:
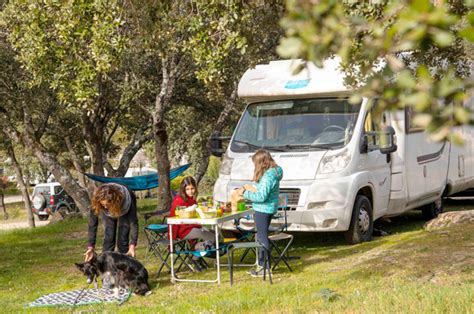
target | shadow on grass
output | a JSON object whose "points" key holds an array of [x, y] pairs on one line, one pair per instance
{"points": [[312, 248], [315, 248], [459, 203]]}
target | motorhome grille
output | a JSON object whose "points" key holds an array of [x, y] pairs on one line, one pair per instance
{"points": [[294, 156], [293, 197]]}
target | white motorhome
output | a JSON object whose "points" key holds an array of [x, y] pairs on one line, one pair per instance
{"points": [[335, 172]]}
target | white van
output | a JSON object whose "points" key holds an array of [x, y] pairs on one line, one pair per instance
{"points": [[335, 173]]}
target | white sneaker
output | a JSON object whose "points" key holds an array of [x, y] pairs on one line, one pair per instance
{"points": [[258, 272]]}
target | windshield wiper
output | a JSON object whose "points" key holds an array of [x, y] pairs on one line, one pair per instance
{"points": [[250, 145], [309, 146], [288, 147]]}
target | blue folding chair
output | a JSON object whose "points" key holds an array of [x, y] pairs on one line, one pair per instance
{"points": [[158, 243], [155, 232]]}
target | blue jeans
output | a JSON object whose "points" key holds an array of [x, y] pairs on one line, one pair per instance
{"points": [[262, 222]]}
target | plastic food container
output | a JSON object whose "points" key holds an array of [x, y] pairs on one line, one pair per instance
{"points": [[206, 214], [187, 214]]}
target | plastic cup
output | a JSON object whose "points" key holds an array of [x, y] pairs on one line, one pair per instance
{"points": [[241, 206]]}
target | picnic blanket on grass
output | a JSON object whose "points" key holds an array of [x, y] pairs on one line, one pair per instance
{"points": [[81, 297]]}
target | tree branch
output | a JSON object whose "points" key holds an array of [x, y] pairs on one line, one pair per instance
{"points": [[139, 138]]}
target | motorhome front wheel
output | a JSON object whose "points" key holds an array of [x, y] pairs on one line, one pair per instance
{"points": [[362, 225]]}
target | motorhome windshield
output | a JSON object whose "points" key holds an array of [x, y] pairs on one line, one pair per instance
{"points": [[296, 125]]}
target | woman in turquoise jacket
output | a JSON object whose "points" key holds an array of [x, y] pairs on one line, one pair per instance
{"points": [[267, 175]]}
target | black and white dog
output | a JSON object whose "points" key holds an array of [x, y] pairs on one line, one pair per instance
{"points": [[117, 271]]}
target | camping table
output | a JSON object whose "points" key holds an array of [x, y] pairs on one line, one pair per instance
{"points": [[215, 223]]}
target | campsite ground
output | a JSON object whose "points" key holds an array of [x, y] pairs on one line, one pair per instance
{"points": [[411, 270]]}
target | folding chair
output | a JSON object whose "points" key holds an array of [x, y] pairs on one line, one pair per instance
{"points": [[155, 232], [280, 236], [158, 243], [249, 246], [246, 227], [277, 236], [161, 251]]}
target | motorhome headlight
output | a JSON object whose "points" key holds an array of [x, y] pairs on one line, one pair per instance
{"points": [[226, 165], [335, 162]]}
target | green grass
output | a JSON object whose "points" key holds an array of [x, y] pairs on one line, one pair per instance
{"points": [[410, 271]]}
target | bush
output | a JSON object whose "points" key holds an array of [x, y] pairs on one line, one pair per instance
{"points": [[176, 182], [206, 186], [10, 188]]}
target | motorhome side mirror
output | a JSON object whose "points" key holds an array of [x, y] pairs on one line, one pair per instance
{"points": [[216, 143], [387, 140]]}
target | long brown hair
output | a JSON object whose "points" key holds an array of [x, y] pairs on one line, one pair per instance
{"points": [[262, 161], [182, 188], [112, 194]]}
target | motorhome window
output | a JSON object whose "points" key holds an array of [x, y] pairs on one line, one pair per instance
{"points": [[410, 126], [373, 124], [296, 125]]}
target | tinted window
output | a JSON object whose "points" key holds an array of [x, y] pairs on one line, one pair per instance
{"points": [[43, 189]]}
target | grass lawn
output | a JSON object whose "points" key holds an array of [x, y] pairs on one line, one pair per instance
{"points": [[410, 271]]}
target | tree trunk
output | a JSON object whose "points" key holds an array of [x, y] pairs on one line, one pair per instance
{"points": [[49, 161], [204, 162], [130, 151], [163, 165], [76, 161], [21, 183], [2, 204], [162, 100], [93, 130], [64, 177]]}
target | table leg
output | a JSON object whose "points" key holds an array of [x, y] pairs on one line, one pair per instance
{"points": [[216, 229], [172, 255], [256, 254]]}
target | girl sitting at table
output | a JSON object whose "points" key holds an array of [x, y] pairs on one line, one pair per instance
{"points": [[186, 197], [267, 175]]}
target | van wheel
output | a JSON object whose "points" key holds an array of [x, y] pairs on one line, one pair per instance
{"points": [[64, 210], [431, 211], [43, 217], [362, 223]]}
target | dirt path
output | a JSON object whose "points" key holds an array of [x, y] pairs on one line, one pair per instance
{"points": [[21, 225], [13, 199]]}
